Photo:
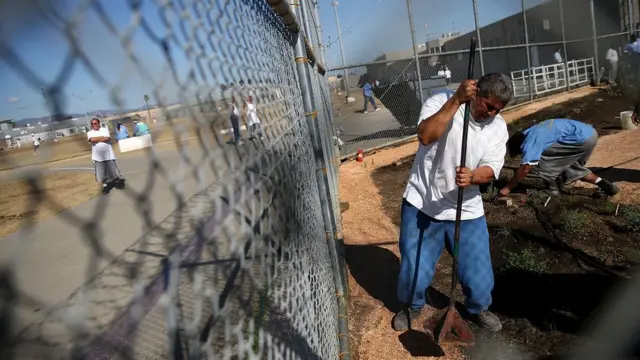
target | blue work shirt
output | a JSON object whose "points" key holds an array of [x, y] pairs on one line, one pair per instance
{"points": [[140, 129], [366, 88], [633, 47], [122, 133], [540, 137]]}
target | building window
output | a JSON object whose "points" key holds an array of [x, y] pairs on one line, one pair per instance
{"points": [[545, 24]]}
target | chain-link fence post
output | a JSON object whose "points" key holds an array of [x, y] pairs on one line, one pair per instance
{"points": [[596, 62], [315, 133], [344, 62], [531, 80], [564, 46], [475, 17], [415, 51]]}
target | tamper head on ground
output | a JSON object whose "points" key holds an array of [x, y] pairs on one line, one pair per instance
{"points": [[448, 327]]}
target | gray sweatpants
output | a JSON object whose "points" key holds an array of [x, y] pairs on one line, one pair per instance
{"points": [[567, 161], [106, 171]]}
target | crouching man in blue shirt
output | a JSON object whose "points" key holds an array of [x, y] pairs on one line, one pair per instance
{"points": [[560, 148]]}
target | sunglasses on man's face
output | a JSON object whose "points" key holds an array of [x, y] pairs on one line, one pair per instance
{"points": [[94, 123]]}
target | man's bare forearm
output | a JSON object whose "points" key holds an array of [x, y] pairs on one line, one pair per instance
{"points": [[431, 128], [482, 175], [98, 139]]}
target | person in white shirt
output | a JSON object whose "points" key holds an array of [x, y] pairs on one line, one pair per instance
{"points": [[557, 56], [429, 206], [447, 75], [441, 72], [612, 58], [104, 158], [255, 127], [36, 145]]}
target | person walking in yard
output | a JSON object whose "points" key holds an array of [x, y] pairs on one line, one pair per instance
{"points": [[560, 148], [368, 97], [447, 75], [429, 206], [612, 58], [36, 144], [234, 116], [104, 158], [255, 127]]}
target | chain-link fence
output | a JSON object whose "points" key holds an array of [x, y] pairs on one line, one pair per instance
{"points": [[545, 46], [225, 242]]}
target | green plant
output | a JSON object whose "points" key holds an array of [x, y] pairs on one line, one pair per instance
{"points": [[503, 232], [491, 193], [525, 260], [631, 218], [536, 197], [573, 221], [607, 208]]}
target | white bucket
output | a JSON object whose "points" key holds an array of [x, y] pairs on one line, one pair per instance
{"points": [[626, 121]]}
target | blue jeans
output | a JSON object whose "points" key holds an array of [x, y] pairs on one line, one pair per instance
{"points": [[369, 99], [422, 239], [235, 124]]}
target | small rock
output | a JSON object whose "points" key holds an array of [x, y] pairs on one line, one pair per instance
{"points": [[504, 200], [577, 110], [599, 100], [351, 100]]}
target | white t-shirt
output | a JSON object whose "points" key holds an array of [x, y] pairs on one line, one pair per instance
{"points": [[101, 151], [252, 114], [557, 57], [440, 72], [612, 55], [36, 142], [432, 181], [447, 74]]}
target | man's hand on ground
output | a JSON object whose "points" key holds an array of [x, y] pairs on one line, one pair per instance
{"points": [[464, 177], [466, 91], [505, 191]]}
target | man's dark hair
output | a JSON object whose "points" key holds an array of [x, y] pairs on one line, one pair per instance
{"points": [[496, 84], [634, 38], [514, 144]]}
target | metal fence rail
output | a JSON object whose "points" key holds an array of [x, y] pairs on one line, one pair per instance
{"points": [[249, 265]]}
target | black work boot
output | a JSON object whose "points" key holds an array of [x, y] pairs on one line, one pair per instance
{"points": [[608, 187], [403, 319], [488, 321]]}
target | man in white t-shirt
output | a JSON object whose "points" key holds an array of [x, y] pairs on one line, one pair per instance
{"points": [[430, 199], [104, 158], [447, 75], [36, 144]]}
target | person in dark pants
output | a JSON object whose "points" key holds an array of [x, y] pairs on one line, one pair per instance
{"points": [[368, 97], [428, 213], [560, 148], [234, 116]]}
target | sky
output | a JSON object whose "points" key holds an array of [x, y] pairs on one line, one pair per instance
{"points": [[69, 45]]}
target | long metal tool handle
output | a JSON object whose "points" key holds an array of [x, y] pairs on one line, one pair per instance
{"points": [[463, 163]]}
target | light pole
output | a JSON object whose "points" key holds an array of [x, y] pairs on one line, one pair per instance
{"points": [[86, 115], [346, 78], [46, 101]]}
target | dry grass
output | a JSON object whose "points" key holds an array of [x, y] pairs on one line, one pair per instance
{"points": [[62, 191]]}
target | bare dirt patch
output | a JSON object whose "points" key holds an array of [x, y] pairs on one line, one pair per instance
{"points": [[551, 266], [21, 204]]}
